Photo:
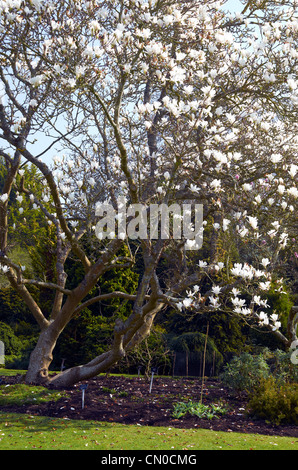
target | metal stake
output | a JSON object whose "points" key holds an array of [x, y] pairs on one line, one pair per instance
{"points": [[83, 388]]}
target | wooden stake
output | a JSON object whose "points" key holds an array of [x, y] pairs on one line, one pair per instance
{"points": [[204, 361]]}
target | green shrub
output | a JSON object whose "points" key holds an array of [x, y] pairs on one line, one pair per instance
{"points": [[12, 344], [282, 367], [244, 373], [275, 402], [198, 409]]}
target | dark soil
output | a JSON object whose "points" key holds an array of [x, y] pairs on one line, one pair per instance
{"points": [[128, 401]]}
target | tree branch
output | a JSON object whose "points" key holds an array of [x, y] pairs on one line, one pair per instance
{"points": [[49, 285]]}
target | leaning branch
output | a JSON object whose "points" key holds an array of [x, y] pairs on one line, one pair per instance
{"points": [[110, 295], [54, 192], [49, 285]]}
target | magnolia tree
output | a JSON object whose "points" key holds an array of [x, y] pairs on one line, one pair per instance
{"points": [[144, 108]]}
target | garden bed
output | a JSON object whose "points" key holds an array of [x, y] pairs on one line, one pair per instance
{"points": [[127, 400]]}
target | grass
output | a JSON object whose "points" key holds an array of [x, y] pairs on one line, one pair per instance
{"points": [[24, 432], [20, 394], [10, 372]]}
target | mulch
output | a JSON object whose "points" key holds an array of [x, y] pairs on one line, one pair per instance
{"points": [[126, 400]]}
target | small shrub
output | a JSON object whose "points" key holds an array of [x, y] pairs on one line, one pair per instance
{"points": [[244, 373], [275, 402], [12, 343], [198, 409], [282, 367], [108, 390]]}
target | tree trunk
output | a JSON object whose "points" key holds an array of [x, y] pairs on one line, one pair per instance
{"points": [[124, 339], [292, 325], [41, 357]]}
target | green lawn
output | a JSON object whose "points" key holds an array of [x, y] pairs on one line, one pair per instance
{"points": [[24, 432]]}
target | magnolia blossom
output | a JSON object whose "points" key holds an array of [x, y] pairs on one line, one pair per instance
{"points": [[293, 170], [187, 302], [253, 222], [4, 197], [265, 262], [276, 157], [225, 224], [265, 285], [203, 264], [263, 318], [37, 80], [238, 302], [214, 303], [216, 290]]}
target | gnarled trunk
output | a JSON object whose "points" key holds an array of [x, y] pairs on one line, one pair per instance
{"points": [[126, 336], [42, 356]]}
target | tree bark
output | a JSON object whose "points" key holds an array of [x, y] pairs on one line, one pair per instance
{"points": [[42, 356]]}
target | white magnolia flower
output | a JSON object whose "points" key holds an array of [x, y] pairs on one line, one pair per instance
{"points": [[225, 224], [214, 302], [253, 221], [293, 170], [216, 184], [264, 320], [238, 302], [264, 285], [243, 232], [202, 264], [292, 84], [294, 344], [4, 197], [194, 188], [33, 103], [219, 266], [246, 311], [94, 26], [276, 326], [37, 80], [274, 317], [235, 291], [276, 157], [265, 262], [293, 192], [216, 290], [187, 302]]}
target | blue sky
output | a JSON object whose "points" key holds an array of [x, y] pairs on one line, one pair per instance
{"points": [[234, 5]]}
